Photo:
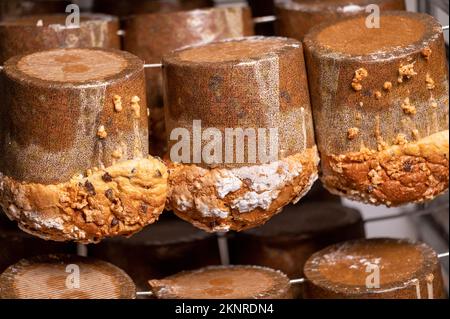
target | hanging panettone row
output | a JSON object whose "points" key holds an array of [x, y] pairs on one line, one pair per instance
{"points": [[75, 163], [74, 139]]}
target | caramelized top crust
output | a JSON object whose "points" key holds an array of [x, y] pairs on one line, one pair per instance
{"points": [[364, 41], [73, 67], [399, 34], [223, 282], [233, 51]]}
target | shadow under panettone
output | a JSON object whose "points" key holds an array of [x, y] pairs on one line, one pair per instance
{"points": [[162, 249], [16, 244], [290, 238]]}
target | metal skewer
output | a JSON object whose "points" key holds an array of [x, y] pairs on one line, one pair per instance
{"points": [[443, 255], [144, 293], [297, 281], [265, 19], [222, 242], [154, 65]]}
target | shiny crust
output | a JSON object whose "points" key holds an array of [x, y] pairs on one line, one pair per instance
{"points": [[118, 200], [219, 200], [400, 174]]}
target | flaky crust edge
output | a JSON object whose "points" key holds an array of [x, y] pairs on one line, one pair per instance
{"points": [[415, 172], [118, 200], [191, 183]]}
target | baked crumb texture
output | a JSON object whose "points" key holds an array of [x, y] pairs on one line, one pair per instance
{"points": [[118, 200], [411, 172], [239, 198], [386, 142]]}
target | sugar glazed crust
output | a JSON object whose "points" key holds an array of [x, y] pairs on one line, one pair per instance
{"points": [[239, 198], [118, 200], [381, 116]]}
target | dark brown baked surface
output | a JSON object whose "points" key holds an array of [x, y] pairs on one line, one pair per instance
{"points": [[65, 277]]}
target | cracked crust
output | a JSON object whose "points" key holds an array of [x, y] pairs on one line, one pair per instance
{"points": [[118, 200], [400, 174], [241, 198]]}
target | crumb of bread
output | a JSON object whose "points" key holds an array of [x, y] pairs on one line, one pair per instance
{"points": [[408, 108], [430, 82], [375, 178], [352, 133], [117, 103], [407, 71], [426, 53], [377, 95], [101, 132], [387, 86], [117, 154], [400, 139], [360, 75]]}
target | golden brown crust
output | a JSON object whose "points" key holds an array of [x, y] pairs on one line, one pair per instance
{"points": [[118, 200], [400, 174], [240, 198]]}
